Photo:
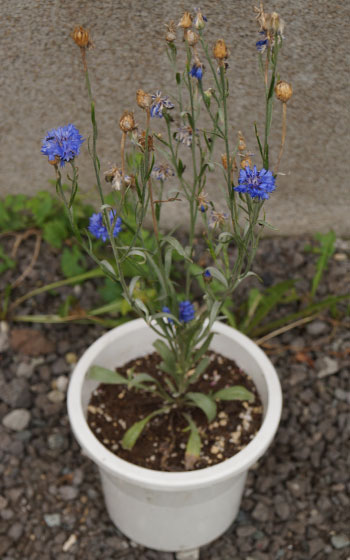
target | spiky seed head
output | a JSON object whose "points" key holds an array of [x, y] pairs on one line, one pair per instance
{"points": [[283, 91], [220, 50], [186, 21], [143, 99], [127, 121], [81, 37]]}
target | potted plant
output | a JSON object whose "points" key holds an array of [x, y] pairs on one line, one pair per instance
{"points": [[180, 389]]}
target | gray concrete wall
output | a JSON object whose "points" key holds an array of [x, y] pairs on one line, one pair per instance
{"points": [[42, 87]]}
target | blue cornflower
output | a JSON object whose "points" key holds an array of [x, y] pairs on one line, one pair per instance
{"points": [[263, 43], [62, 144], [158, 104], [166, 309], [207, 274], [255, 183], [196, 71], [162, 172], [99, 230], [186, 311]]}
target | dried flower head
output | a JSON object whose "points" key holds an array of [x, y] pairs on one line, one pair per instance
{"points": [[241, 142], [203, 202], [220, 50], [199, 19], [275, 23], [191, 37], [246, 162], [171, 31], [283, 91], [127, 121], [142, 141], [186, 21], [143, 99], [217, 219], [184, 135], [115, 177], [233, 164], [159, 102], [162, 171], [81, 37]]}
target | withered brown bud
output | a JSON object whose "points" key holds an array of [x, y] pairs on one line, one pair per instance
{"points": [[246, 162], [143, 99], [127, 121], [186, 21], [283, 91], [191, 38], [220, 50], [81, 37], [233, 163], [241, 142], [142, 141], [171, 33], [55, 161]]}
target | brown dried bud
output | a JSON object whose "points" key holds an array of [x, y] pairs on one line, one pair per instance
{"points": [[186, 21], [55, 161], [171, 33], [275, 23], [81, 37], [127, 121], [283, 91], [143, 99], [220, 50], [241, 142], [142, 142], [246, 162], [233, 163], [191, 37]]}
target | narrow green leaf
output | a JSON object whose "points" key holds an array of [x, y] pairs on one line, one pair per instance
{"points": [[202, 349], [105, 375], [177, 246], [134, 432], [327, 242], [194, 444], [235, 393], [164, 352], [205, 403], [218, 275], [200, 369]]}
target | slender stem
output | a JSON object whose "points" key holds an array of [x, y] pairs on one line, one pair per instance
{"points": [[284, 130]]}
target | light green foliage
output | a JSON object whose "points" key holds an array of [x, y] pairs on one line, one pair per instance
{"points": [[73, 261]]}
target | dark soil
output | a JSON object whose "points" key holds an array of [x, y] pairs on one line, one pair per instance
{"points": [[296, 504], [162, 444]]}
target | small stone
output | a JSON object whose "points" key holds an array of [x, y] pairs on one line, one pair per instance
{"points": [[17, 393], [327, 366], [340, 541], [3, 502], [244, 531], [15, 531], [57, 441], [5, 542], [25, 369], [315, 546], [116, 543], [342, 395], [283, 510], [17, 419], [71, 358], [4, 337], [59, 367], [55, 396], [61, 383], [7, 514], [69, 543], [52, 519], [188, 554], [261, 513], [316, 328], [68, 493]]}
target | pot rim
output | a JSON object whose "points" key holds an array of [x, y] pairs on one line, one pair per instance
{"points": [[171, 481]]}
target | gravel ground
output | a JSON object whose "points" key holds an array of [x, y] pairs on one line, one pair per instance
{"points": [[296, 503]]}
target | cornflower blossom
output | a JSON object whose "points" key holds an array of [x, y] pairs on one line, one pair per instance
{"points": [[186, 311], [158, 104], [62, 144], [99, 230], [184, 135], [207, 276], [196, 71], [217, 219], [162, 172], [255, 183]]}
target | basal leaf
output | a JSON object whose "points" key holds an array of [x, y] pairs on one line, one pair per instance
{"points": [[205, 403], [104, 375], [235, 393], [134, 432]]}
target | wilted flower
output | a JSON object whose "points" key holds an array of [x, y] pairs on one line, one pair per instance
{"points": [[191, 38], [171, 32], [233, 164], [158, 104], [283, 91], [62, 144], [262, 44], [199, 19], [207, 276], [127, 121], [115, 177], [220, 50], [217, 219], [162, 172], [186, 21], [99, 230], [246, 162], [81, 37], [186, 311], [143, 99], [241, 142], [141, 141], [197, 70], [184, 135], [202, 202], [256, 183]]}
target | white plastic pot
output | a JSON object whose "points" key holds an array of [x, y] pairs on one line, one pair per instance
{"points": [[163, 510]]}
